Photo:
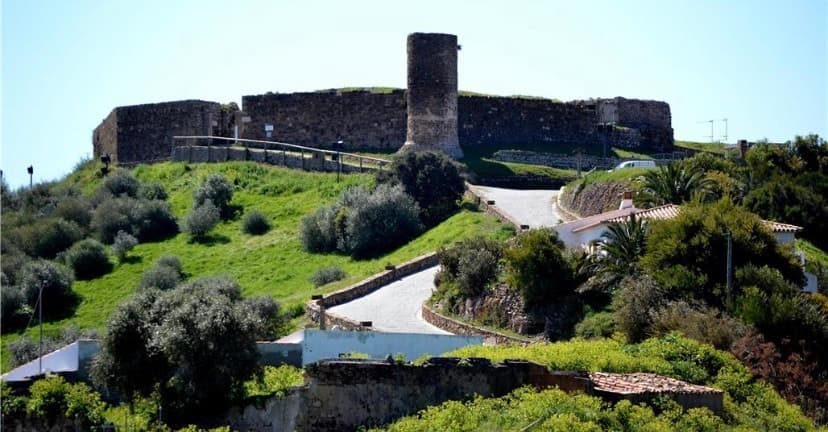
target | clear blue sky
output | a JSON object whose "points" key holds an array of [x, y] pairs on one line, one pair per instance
{"points": [[67, 63]]}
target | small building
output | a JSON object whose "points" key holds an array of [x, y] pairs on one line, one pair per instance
{"points": [[585, 233]]}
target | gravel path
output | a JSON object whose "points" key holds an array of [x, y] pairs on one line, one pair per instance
{"points": [[528, 207], [395, 307]]}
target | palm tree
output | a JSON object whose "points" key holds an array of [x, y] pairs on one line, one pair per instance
{"points": [[618, 253], [674, 184]]}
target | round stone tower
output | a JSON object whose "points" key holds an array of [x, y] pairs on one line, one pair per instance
{"points": [[432, 94]]}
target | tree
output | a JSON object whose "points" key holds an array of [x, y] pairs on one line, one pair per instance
{"points": [[217, 189], [201, 220], [687, 254], [622, 245], [535, 265], [433, 180], [88, 259], [673, 184], [194, 345]]}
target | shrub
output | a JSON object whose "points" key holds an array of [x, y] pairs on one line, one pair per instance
{"points": [[535, 265], [152, 191], [75, 209], [154, 221], [53, 399], [255, 223], [317, 230], [53, 279], [201, 220], [88, 259], [264, 312], [433, 180], [362, 223], [471, 264], [122, 183], [146, 220], [124, 242], [386, 219], [638, 297], [700, 323], [597, 325], [114, 215], [275, 381], [165, 275], [45, 238], [216, 189], [11, 301], [327, 275]]}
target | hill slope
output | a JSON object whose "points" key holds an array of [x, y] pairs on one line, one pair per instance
{"points": [[273, 264]]}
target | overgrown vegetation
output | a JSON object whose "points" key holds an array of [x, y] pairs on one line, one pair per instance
{"points": [[749, 405]]}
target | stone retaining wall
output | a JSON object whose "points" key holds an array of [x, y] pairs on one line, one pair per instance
{"points": [[362, 289], [310, 161], [564, 161], [458, 327]]}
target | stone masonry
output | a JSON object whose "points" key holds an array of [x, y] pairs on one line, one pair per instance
{"points": [[432, 94]]}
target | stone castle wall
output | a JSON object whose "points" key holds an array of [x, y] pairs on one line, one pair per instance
{"points": [[366, 120], [143, 133], [377, 120]]}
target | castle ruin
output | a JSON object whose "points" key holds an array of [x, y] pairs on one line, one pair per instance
{"points": [[429, 115]]}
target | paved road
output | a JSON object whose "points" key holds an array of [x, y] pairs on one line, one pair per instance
{"points": [[528, 207], [395, 307]]}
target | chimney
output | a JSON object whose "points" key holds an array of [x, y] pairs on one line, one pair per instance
{"points": [[626, 201]]}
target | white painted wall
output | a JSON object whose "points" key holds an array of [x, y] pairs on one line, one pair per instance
{"points": [[322, 344]]}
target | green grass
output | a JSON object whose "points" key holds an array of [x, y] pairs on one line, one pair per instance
{"points": [[627, 154], [715, 148], [273, 264], [479, 160], [814, 256]]}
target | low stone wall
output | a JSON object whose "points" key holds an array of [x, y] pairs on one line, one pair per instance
{"points": [[457, 327], [491, 209], [564, 161], [310, 161], [364, 288]]}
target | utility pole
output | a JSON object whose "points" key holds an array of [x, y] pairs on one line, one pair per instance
{"points": [[712, 136], [729, 288], [725, 133], [40, 312]]}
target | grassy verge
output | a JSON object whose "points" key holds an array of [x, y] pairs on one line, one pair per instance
{"points": [[715, 148], [273, 264]]}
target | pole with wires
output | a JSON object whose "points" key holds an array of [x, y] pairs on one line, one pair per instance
{"points": [[40, 343]]}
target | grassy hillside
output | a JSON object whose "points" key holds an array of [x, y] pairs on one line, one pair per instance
{"points": [[716, 148], [273, 264]]}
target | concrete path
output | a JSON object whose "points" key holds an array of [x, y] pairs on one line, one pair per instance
{"points": [[535, 208], [395, 307]]}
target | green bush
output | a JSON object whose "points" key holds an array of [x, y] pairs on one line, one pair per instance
{"points": [[362, 223], [88, 259], [433, 180], [218, 190], [53, 399], [536, 266], [275, 381], [123, 243], [165, 275], [700, 323], [53, 279], [472, 265], [327, 275], [638, 297], [255, 223], [144, 219], [201, 220], [264, 312], [152, 191], [45, 238], [75, 209], [122, 183], [597, 325], [11, 302]]}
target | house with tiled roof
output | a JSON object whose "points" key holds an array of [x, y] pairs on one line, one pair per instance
{"points": [[587, 232]]}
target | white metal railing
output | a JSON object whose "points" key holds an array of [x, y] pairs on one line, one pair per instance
{"points": [[334, 153]]}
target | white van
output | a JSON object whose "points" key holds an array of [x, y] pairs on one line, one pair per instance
{"points": [[635, 164]]}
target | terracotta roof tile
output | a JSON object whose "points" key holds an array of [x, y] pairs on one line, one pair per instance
{"points": [[634, 383]]}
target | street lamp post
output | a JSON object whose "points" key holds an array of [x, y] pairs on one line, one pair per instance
{"points": [[30, 170]]}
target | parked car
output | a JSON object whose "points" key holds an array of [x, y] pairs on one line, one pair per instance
{"points": [[635, 164]]}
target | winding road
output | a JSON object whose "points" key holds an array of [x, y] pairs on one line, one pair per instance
{"points": [[396, 307]]}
